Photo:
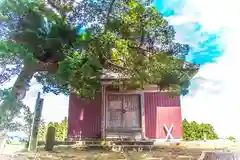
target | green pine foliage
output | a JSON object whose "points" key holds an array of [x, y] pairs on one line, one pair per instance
{"points": [[130, 38], [231, 138], [42, 132], [193, 131]]}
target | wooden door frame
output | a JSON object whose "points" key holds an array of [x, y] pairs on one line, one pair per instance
{"points": [[103, 111], [146, 89], [139, 109], [104, 108]]}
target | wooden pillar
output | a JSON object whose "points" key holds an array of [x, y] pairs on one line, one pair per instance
{"points": [[142, 114], [103, 113]]}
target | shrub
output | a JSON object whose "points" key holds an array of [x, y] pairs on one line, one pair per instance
{"points": [[193, 131], [231, 138], [60, 129]]}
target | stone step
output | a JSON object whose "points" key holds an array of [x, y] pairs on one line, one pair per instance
{"points": [[133, 142]]}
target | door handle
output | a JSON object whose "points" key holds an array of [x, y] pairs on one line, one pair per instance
{"points": [[124, 110]]}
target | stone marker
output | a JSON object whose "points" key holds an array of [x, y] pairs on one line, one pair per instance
{"points": [[3, 139], [36, 123], [218, 155]]}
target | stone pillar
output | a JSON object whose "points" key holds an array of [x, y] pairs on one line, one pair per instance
{"points": [[35, 125]]}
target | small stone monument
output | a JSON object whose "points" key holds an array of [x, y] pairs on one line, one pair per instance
{"points": [[220, 155], [3, 140]]}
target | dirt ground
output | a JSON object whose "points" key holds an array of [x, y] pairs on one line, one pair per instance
{"points": [[69, 153], [186, 152]]}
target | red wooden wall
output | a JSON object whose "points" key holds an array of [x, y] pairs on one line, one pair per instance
{"points": [[84, 118], [159, 110]]}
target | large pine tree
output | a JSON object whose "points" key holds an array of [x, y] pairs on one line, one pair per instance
{"points": [[66, 43]]}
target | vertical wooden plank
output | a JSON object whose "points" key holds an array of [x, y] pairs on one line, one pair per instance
{"points": [[89, 126], [114, 110], [103, 115], [132, 110], [142, 114], [122, 107]]}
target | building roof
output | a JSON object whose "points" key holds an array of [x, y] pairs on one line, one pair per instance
{"points": [[110, 75]]}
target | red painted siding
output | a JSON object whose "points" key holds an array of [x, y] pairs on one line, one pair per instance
{"points": [[159, 110], [169, 116], [84, 118]]}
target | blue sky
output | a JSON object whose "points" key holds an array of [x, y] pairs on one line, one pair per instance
{"points": [[212, 29], [205, 46]]}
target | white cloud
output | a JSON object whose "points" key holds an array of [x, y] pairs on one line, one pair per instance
{"points": [[214, 14], [55, 107], [220, 109]]}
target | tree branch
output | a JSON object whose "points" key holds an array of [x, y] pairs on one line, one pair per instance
{"points": [[108, 15], [116, 66], [20, 85], [142, 32]]}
